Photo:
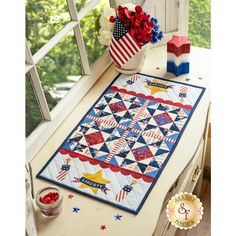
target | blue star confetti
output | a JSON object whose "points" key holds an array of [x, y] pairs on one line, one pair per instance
{"points": [[75, 209], [118, 217], [187, 79]]}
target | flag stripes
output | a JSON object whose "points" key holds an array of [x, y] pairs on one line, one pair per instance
{"points": [[122, 47], [121, 195], [134, 78], [62, 174], [183, 89]]}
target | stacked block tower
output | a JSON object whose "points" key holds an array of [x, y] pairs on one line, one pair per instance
{"points": [[178, 49]]}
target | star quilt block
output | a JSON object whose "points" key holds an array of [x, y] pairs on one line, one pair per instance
{"points": [[120, 147]]}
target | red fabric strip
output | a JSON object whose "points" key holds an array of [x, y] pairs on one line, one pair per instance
{"points": [[160, 100], [107, 165]]}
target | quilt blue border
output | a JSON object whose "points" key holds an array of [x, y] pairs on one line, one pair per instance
{"points": [[163, 165]]}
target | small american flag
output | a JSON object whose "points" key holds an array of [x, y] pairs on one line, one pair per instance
{"points": [[64, 170], [122, 47]]}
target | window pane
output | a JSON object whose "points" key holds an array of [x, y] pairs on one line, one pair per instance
{"points": [[33, 115], [60, 69], [81, 4], [200, 23], [43, 19], [89, 27]]}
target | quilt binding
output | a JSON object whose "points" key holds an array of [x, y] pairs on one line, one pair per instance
{"points": [[163, 165]]}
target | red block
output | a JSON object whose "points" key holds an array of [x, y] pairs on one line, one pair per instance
{"points": [[178, 45]]}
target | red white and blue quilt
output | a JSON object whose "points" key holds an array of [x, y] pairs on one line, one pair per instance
{"points": [[119, 148]]}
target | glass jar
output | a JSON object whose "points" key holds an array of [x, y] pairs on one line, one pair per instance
{"points": [[53, 209]]}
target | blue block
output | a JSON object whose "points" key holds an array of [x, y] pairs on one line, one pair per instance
{"points": [[183, 68]]}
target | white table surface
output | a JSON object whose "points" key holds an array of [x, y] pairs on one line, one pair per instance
{"points": [[92, 213]]}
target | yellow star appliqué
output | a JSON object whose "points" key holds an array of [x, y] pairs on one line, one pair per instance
{"points": [[97, 177], [155, 89]]}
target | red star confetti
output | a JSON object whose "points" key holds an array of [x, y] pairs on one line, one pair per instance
{"points": [[70, 196], [103, 227], [200, 78]]}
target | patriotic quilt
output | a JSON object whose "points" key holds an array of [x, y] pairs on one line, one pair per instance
{"points": [[120, 147]]}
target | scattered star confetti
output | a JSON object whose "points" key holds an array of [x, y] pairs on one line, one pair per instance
{"points": [[200, 78], [187, 79], [70, 196], [103, 227], [157, 68], [118, 217], [76, 209]]}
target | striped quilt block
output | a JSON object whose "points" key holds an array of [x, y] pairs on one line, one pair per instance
{"points": [[120, 147]]}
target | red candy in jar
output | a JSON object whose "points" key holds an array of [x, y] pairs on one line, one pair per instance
{"points": [[49, 200]]}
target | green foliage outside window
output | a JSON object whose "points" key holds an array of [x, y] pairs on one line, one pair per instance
{"points": [[200, 23]]}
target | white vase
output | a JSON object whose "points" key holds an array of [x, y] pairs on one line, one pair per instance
{"points": [[135, 64]]}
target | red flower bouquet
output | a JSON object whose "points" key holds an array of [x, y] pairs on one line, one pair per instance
{"points": [[126, 30], [137, 22]]}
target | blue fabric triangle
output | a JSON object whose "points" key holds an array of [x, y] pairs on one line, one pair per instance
{"points": [[123, 153], [100, 107], [153, 173], [108, 131], [163, 130], [151, 111], [127, 162], [128, 115], [117, 118], [104, 148], [117, 96], [113, 161], [187, 111], [102, 158], [133, 106], [136, 126], [154, 164], [174, 127], [169, 144], [142, 166], [93, 151], [108, 99], [160, 152], [141, 139], [174, 136], [161, 107], [150, 127], [104, 113], [175, 111]]}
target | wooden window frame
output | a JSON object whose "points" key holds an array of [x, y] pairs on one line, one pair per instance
{"points": [[52, 120]]}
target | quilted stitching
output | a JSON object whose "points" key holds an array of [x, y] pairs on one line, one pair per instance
{"points": [[118, 150]]}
